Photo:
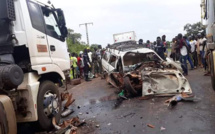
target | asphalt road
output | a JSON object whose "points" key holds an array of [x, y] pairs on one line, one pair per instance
{"points": [[95, 102]]}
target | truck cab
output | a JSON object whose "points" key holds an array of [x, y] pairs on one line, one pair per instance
{"points": [[34, 59], [208, 12]]}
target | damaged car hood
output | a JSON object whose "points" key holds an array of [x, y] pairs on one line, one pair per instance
{"points": [[163, 82]]}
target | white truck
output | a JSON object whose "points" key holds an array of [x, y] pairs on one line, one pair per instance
{"points": [[208, 13], [34, 59]]}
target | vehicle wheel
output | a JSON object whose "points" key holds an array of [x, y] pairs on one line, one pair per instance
{"points": [[8, 124], [128, 86], [212, 71], [48, 105]]}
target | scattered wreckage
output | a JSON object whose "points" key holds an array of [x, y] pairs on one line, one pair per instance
{"points": [[69, 126], [140, 71]]}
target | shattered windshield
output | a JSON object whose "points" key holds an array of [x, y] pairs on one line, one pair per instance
{"points": [[132, 60]]}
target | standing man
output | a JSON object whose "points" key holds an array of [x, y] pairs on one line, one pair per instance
{"points": [[86, 64], [193, 51], [189, 51], [199, 41], [164, 40], [155, 45], [140, 42], [160, 48], [80, 64], [184, 54], [95, 62], [73, 60], [173, 50], [99, 54], [205, 54], [148, 44]]}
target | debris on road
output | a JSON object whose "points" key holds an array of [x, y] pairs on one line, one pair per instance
{"points": [[76, 81], [68, 98], [67, 112], [97, 125], [122, 95], [150, 125], [109, 124], [180, 97], [162, 129], [68, 101], [126, 115], [118, 102], [69, 126]]}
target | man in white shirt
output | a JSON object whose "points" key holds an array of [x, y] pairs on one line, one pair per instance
{"points": [[193, 45], [184, 54]]}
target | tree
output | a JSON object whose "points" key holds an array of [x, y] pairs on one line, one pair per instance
{"points": [[194, 29], [75, 37], [73, 41]]}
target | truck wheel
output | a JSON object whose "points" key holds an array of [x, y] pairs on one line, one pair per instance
{"points": [[129, 87], [212, 71], [7, 116], [48, 105]]}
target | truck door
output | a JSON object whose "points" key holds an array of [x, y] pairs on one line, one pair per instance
{"points": [[57, 46], [37, 40]]}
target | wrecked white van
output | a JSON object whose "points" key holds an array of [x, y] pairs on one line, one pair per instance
{"points": [[140, 71]]}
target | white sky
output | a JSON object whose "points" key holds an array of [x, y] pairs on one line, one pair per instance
{"points": [[148, 18]]}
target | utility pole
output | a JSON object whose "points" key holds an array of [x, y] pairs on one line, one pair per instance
{"points": [[86, 30]]}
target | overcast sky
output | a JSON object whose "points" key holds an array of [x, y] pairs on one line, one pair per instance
{"points": [[148, 18]]}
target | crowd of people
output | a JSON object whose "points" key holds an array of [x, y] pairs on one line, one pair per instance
{"points": [[87, 64], [158, 46], [191, 50]]}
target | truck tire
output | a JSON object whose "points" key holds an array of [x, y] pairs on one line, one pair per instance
{"points": [[128, 86], [212, 71], [7, 116], [48, 105]]}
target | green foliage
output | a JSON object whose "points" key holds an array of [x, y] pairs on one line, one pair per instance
{"points": [[194, 29], [73, 41]]}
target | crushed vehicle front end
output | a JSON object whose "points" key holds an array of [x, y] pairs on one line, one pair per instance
{"points": [[145, 73]]}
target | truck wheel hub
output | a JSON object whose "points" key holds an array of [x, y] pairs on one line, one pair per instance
{"points": [[50, 104]]}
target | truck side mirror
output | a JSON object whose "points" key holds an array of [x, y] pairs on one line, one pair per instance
{"points": [[62, 22], [61, 17], [7, 10], [64, 32]]}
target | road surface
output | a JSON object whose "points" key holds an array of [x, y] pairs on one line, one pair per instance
{"points": [[95, 103]]}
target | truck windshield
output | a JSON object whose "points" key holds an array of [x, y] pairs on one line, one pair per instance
{"points": [[51, 24]]}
